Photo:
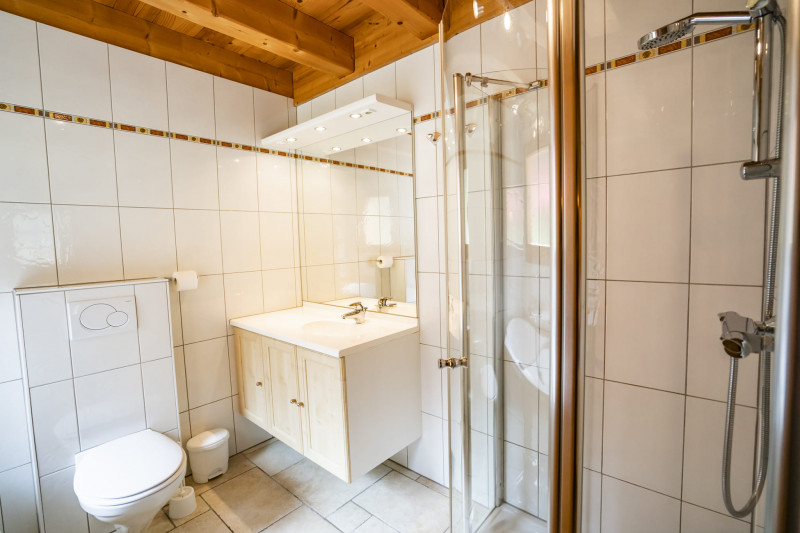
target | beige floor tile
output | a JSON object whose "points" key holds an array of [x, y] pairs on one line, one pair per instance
{"points": [[207, 522], [373, 525], [251, 501], [441, 489], [348, 517], [160, 524], [273, 457], [320, 489], [238, 464], [410, 474], [302, 520], [406, 505], [202, 507]]}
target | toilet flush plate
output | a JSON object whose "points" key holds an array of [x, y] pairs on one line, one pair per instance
{"points": [[108, 316]]}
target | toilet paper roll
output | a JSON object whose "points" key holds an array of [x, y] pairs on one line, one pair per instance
{"points": [[185, 280], [385, 261]]}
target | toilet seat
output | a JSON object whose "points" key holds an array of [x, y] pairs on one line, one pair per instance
{"points": [[127, 469]]}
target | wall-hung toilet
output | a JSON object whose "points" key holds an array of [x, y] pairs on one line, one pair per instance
{"points": [[127, 480]]}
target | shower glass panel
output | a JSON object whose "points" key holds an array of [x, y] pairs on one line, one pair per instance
{"points": [[497, 206]]}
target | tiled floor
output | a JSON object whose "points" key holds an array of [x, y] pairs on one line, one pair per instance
{"points": [[272, 488]]}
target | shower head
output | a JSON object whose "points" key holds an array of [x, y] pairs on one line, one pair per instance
{"points": [[676, 30]]}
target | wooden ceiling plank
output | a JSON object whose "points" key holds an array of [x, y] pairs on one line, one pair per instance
{"points": [[105, 24], [420, 17], [272, 26]]}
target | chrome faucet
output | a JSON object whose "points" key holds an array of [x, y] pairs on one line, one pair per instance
{"points": [[742, 336], [359, 313], [384, 302]]}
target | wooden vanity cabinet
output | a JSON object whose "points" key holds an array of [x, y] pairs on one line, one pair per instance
{"points": [[304, 399]]}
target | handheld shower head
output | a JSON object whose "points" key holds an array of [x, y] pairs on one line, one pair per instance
{"points": [[676, 30]]}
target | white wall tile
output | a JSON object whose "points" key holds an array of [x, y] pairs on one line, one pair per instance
{"points": [[507, 40], [44, 324], [21, 83], [194, 175], [431, 380], [707, 363], [522, 478], [521, 401], [75, 76], [642, 437], [637, 351], [158, 380], [323, 103], [367, 192], [247, 433], [87, 244], [428, 309], [595, 328], [175, 315], [415, 77], [318, 234], [153, 320], [275, 183], [106, 352], [244, 295], [698, 520], [198, 240], [648, 226], [271, 113], [381, 81], [726, 211], [238, 179], [320, 283], [55, 426], [343, 191], [138, 88], [462, 54], [595, 94], [427, 235], [346, 280], [596, 199], [593, 424], [521, 334], [27, 257], [60, 504], [424, 455], [345, 238], [18, 499], [241, 249], [369, 238], [722, 81], [705, 429], [592, 498], [203, 310], [9, 351], [148, 242], [303, 112], [627, 20], [82, 164], [233, 110], [387, 189], [652, 101], [627, 508], [23, 159], [316, 181], [207, 371], [110, 405], [277, 241], [594, 33], [144, 176], [14, 447], [425, 164], [190, 95], [180, 379], [215, 415], [279, 289], [349, 92]]}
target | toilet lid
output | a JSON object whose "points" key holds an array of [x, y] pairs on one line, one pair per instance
{"points": [[127, 466]]}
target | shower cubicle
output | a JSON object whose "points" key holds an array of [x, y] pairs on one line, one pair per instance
{"points": [[621, 274]]}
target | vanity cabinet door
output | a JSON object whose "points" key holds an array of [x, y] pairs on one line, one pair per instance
{"points": [[281, 361], [251, 377], [323, 411]]}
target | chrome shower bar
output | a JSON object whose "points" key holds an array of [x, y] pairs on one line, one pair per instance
{"points": [[484, 82]]}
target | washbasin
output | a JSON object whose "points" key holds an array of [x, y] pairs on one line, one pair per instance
{"points": [[330, 328]]}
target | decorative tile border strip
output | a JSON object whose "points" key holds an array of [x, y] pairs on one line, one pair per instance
{"points": [[86, 121], [644, 55]]}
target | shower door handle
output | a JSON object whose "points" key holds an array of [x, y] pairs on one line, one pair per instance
{"points": [[453, 362]]}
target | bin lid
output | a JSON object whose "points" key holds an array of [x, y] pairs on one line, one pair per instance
{"points": [[208, 439]]}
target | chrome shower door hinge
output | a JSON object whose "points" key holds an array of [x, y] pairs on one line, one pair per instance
{"points": [[452, 362]]}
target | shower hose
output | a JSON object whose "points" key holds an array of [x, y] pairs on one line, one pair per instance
{"points": [[765, 363]]}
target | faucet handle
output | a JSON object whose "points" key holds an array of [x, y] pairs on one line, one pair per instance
{"points": [[384, 302], [357, 305]]}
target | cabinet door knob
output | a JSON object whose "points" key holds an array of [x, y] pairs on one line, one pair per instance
{"points": [[259, 384], [300, 404], [292, 401]]}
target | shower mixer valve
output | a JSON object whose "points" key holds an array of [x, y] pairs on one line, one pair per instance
{"points": [[742, 336]]}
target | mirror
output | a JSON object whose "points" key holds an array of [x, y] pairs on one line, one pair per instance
{"points": [[355, 195]]}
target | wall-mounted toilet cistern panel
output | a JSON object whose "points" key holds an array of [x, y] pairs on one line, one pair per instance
{"points": [[94, 318]]}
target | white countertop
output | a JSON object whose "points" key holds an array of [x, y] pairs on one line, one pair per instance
{"points": [[321, 328]]}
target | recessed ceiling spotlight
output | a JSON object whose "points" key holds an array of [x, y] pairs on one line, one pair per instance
{"points": [[290, 139], [401, 130], [366, 140], [320, 128], [355, 115], [336, 149]]}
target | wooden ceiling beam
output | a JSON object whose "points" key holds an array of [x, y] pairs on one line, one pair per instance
{"points": [[420, 17], [272, 26], [103, 23]]}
